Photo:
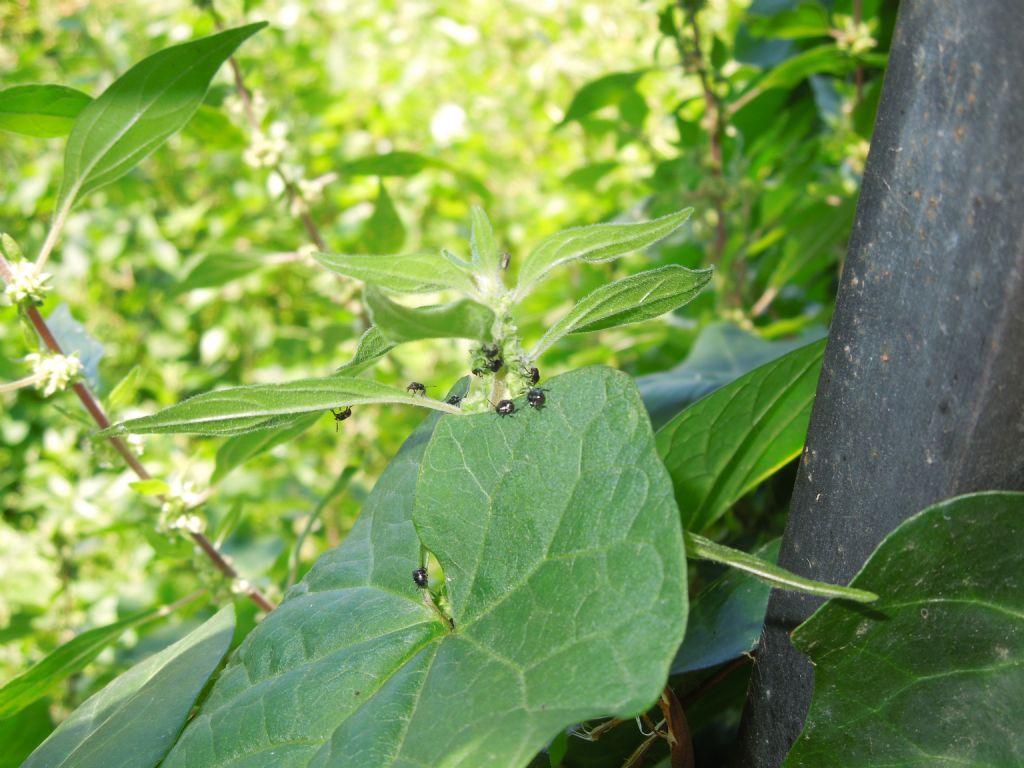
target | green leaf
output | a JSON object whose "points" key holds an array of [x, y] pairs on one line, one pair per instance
{"points": [[239, 449], [630, 300], [236, 410], [126, 390], [809, 19], [384, 231], [482, 243], [69, 659], [371, 348], [141, 110], [390, 164], [824, 59], [407, 273], [134, 721], [216, 269], [598, 242], [43, 111], [565, 570], [462, 319], [699, 548], [725, 618], [721, 447], [23, 732], [606, 91], [934, 670], [722, 353]]}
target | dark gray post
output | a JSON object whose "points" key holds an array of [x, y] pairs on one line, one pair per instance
{"points": [[922, 391]]}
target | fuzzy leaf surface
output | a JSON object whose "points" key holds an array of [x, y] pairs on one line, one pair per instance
{"points": [[633, 299], [722, 446], [565, 568], [462, 319], [236, 410], [597, 242], [934, 670], [406, 273]]}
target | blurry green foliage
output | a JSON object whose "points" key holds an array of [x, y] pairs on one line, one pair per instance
{"points": [[193, 270]]}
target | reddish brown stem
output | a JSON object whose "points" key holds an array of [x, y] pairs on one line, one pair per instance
{"points": [[92, 405]]}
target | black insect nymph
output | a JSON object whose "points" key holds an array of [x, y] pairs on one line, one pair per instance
{"points": [[419, 577], [505, 408]]}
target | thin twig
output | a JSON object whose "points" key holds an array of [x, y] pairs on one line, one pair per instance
{"points": [[858, 73], [701, 690], [714, 123], [92, 405], [291, 188]]}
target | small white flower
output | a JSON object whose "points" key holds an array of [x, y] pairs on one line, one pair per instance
{"points": [[186, 522], [27, 283], [855, 38], [448, 124], [54, 372], [266, 149]]}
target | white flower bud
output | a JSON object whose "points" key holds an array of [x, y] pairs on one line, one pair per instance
{"points": [[26, 283], [54, 372]]}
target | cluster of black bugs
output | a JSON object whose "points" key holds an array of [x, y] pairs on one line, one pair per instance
{"points": [[535, 396], [340, 414]]}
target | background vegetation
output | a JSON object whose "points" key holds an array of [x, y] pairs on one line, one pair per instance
{"points": [[387, 122]]}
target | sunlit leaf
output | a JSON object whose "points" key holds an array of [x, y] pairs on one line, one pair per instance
{"points": [[43, 111], [134, 721], [384, 231], [721, 447], [597, 242], [69, 659], [405, 273], [631, 300], [236, 410], [141, 110], [465, 319]]}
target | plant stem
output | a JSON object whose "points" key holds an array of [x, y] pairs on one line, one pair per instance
{"points": [[292, 190], [92, 405], [700, 548], [52, 236], [714, 124], [858, 73]]}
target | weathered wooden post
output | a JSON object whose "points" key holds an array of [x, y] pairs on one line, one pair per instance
{"points": [[922, 391]]}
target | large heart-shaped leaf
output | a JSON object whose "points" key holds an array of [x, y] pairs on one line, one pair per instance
{"points": [[932, 673], [597, 242], [134, 720], [721, 447], [236, 410], [631, 300], [566, 577], [141, 110], [44, 111]]}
